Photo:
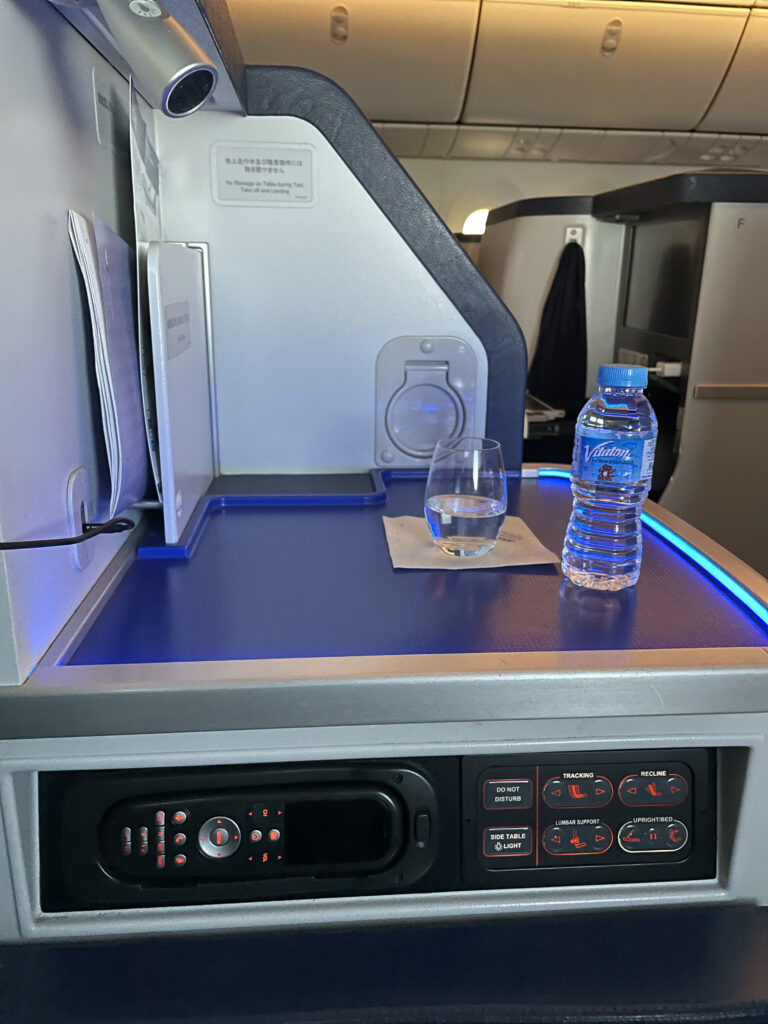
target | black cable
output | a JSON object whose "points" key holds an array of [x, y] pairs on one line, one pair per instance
{"points": [[117, 525]]}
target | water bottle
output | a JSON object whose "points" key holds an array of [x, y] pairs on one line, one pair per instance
{"points": [[612, 465]]}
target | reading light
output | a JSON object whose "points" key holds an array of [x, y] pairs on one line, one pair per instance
{"points": [[174, 73], [475, 223]]}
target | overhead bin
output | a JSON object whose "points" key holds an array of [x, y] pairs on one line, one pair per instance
{"points": [[600, 64], [740, 105], [400, 60]]}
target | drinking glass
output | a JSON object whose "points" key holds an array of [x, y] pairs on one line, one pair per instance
{"points": [[466, 496]]}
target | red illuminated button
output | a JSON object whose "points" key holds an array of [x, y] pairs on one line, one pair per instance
{"points": [[664, 790], [577, 840], [265, 812], [256, 835], [179, 860], [653, 837], [159, 818], [564, 791], [675, 835], [125, 842], [274, 835], [601, 838], [179, 839], [554, 841], [160, 861], [143, 841], [676, 789], [179, 817], [631, 838], [218, 837]]}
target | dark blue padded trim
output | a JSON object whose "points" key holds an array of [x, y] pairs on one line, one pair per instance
{"points": [[296, 92], [705, 187], [224, 38], [544, 206]]}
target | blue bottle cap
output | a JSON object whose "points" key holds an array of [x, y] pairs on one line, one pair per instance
{"points": [[622, 375]]}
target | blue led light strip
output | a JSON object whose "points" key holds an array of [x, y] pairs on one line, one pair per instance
{"points": [[712, 569]]}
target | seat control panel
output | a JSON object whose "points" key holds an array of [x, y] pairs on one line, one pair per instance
{"points": [[588, 818], [441, 824]]}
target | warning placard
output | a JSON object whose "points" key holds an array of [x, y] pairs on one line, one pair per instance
{"points": [[244, 174]]}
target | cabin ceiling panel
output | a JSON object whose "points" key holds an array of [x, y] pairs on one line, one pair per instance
{"points": [[600, 64], [703, 150], [741, 104], [400, 60], [482, 143], [439, 140], [404, 139]]}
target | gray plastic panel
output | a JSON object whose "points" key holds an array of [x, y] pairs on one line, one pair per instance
{"points": [[299, 93]]}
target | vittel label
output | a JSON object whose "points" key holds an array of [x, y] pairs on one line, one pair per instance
{"points": [[609, 461]]}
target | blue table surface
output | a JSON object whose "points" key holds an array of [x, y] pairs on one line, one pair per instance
{"points": [[300, 582]]}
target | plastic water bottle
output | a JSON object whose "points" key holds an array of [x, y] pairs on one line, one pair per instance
{"points": [[612, 465]]}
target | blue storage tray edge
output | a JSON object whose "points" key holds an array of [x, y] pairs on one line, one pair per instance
{"points": [[240, 598], [702, 562], [154, 546]]}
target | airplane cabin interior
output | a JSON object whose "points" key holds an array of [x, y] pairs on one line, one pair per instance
{"points": [[268, 750]]}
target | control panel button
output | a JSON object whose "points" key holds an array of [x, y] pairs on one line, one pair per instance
{"points": [[577, 840], [179, 817], [661, 837], [179, 860], [160, 861], [159, 818], [422, 828], [265, 812], [125, 842], [143, 841], [507, 794], [653, 791], [179, 839], [274, 835], [218, 837], [562, 791], [256, 835], [675, 835], [508, 842], [631, 838]]}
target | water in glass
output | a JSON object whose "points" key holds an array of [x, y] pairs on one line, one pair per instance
{"points": [[466, 496]]}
